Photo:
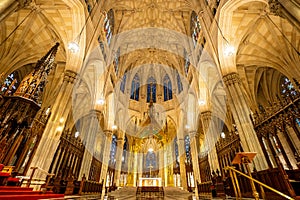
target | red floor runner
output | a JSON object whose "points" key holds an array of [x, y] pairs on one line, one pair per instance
{"points": [[31, 197], [24, 193]]}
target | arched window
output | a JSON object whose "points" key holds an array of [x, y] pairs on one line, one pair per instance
{"points": [[186, 61], [123, 82], [88, 6], [109, 25], [287, 88], [101, 45], [116, 61], [167, 88], [135, 88], [113, 151], [151, 89], [176, 153], [124, 150], [297, 122], [179, 83], [195, 28], [150, 160], [187, 149], [10, 84]]}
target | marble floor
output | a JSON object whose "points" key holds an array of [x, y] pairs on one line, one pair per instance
{"points": [[129, 193]]}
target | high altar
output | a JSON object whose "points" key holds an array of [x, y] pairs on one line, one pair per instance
{"points": [[150, 182]]}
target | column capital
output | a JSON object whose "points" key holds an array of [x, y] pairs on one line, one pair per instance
{"points": [[70, 76], [108, 133], [120, 139], [95, 112], [24, 3], [231, 78], [206, 115], [275, 7], [193, 134]]}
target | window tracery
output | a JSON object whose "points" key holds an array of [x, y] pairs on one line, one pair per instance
{"points": [[187, 149], [151, 89], [123, 82], [195, 28], [116, 61], [10, 84], [186, 61], [179, 83], [176, 153], [287, 88], [135, 88], [109, 25], [113, 150], [167, 88]]}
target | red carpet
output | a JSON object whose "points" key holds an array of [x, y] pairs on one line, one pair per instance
{"points": [[23, 193]]}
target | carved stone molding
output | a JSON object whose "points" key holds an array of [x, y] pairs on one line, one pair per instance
{"points": [[24, 3], [275, 7], [206, 115], [193, 134], [70, 76], [231, 79]]}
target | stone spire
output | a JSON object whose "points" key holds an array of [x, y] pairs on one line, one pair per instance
{"points": [[32, 86]]}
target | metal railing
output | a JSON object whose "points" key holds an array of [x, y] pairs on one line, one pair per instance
{"points": [[237, 190]]}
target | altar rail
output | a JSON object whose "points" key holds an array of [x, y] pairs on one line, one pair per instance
{"points": [[150, 191]]}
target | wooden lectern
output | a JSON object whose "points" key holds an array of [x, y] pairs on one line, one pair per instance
{"points": [[243, 157], [246, 158]]}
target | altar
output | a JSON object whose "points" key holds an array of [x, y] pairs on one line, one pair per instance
{"points": [[150, 182]]}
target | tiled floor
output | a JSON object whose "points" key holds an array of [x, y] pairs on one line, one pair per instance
{"points": [[129, 193]]}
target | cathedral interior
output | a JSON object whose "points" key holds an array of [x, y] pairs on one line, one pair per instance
{"points": [[98, 96]]}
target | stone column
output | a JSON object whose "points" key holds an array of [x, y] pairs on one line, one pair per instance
{"points": [[135, 168], [210, 137], [51, 136], [182, 158], [105, 159], [161, 164], [195, 162], [169, 158], [89, 141], [241, 114], [140, 159], [119, 154]]}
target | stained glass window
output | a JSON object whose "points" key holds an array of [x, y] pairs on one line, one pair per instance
{"points": [[287, 88], [109, 25], [10, 84], [297, 122], [123, 82], [176, 152], [167, 88], [113, 150], [195, 28], [187, 149], [135, 88], [88, 5], [150, 160], [151, 89], [179, 83], [101, 45], [116, 61], [124, 150], [186, 61]]}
